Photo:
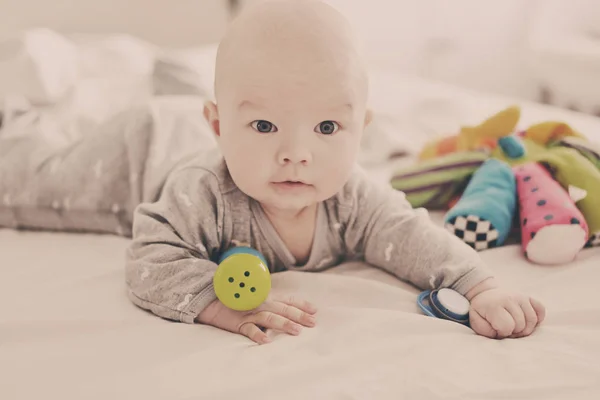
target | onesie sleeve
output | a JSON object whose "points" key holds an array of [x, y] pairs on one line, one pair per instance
{"points": [[169, 264], [384, 230]]}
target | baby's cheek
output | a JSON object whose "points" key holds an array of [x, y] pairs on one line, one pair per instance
{"points": [[247, 171], [337, 169]]}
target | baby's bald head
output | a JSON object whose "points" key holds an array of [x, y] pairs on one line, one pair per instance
{"points": [[291, 92], [294, 40]]}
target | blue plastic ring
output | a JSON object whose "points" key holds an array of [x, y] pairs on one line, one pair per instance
{"points": [[435, 309]]}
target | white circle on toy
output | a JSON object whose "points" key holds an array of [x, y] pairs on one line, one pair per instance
{"points": [[453, 301], [556, 244]]}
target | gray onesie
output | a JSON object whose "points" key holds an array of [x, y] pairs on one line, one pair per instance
{"points": [[201, 213]]}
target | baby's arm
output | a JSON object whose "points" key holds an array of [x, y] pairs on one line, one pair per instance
{"points": [[390, 234], [170, 264], [168, 268]]}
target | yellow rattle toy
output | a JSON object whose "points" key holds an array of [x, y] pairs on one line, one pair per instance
{"points": [[242, 281]]}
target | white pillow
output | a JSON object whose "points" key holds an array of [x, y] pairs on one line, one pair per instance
{"points": [[39, 65], [185, 72]]}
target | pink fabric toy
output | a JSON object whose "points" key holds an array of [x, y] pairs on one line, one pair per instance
{"points": [[553, 229]]}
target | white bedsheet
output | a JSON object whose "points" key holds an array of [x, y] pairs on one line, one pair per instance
{"points": [[67, 330]]}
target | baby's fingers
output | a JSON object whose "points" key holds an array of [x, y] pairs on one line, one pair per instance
{"points": [[516, 311], [496, 325], [503, 322], [300, 304], [531, 320], [534, 315], [480, 325], [254, 333], [540, 310], [274, 321], [292, 312]]}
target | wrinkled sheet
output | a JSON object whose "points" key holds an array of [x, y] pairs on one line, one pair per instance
{"points": [[67, 331]]}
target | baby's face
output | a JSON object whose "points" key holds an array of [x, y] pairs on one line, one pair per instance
{"points": [[291, 141], [290, 120]]}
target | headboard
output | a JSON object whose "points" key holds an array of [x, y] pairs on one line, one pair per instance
{"points": [[172, 23]]}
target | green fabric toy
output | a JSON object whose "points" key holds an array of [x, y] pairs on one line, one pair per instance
{"points": [[589, 150]]}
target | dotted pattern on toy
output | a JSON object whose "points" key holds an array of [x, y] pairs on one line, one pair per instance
{"points": [[242, 285], [478, 233], [543, 202]]}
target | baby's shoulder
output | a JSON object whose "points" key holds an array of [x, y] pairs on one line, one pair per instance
{"points": [[358, 190], [210, 176]]}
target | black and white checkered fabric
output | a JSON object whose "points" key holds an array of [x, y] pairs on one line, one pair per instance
{"points": [[474, 231], [594, 240]]}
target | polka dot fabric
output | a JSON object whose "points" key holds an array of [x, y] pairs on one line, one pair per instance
{"points": [[543, 204]]}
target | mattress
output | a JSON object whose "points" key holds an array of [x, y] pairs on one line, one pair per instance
{"points": [[68, 331]]}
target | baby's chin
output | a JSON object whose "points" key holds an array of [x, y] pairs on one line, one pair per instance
{"points": [[287, 202]]}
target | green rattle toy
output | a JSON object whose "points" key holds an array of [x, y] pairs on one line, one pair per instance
{"points": [[242, 281]]}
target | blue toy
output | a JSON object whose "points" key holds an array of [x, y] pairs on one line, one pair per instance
{"points": [[446, 304], [483, 216]]}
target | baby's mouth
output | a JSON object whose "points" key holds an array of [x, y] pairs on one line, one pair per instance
{"points": [[292, 181], [291, 184]]}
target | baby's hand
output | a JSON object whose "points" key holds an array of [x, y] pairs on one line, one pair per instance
{"points": [[284, 315], [498, 314]]}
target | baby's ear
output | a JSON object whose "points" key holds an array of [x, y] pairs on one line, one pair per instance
{"points": [[211, 114], [368, 117]]}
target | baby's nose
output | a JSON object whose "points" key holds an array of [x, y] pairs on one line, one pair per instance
{"points": [[294, 154], [294, 157]]}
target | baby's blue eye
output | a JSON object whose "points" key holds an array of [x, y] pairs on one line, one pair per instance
{"points": [[327, 128], [263, 126]]}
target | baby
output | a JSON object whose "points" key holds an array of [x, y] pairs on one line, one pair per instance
{"points": [[291, 106]]}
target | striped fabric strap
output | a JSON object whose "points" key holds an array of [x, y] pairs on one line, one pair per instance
{"points": [[589, 150], [433, 183]]}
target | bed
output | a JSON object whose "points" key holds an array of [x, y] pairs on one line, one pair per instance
{"points": [[68, 331]]}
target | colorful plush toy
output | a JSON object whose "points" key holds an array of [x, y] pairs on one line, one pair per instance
{"points": [[491, 177]]}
